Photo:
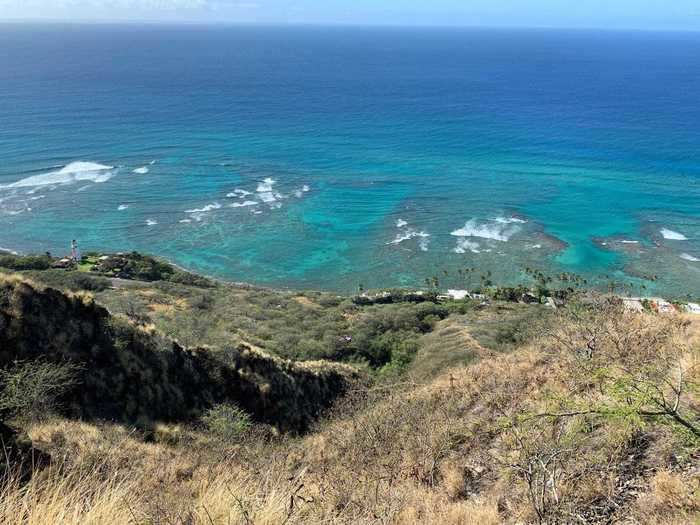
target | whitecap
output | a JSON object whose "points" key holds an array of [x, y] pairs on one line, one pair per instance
{"points": [[244, 203], [37, 197], [276, 205], [423, 244], [305, 188], [497, 230], [509, 220], [266, 185], [238, 193], [6, 250], [141, 171], [671, 235], [407, 235], [401, 223], [122, 207], [625, 241], [267, 197], [199, 213], [153, 162], [69, 174], [185, 220], [151, 222], [298, 194], [689, 257], [464, 245], [208, 207]]}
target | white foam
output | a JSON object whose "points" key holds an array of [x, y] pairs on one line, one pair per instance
{"points": [[151, 222], [208, 207], [266, 185], [6, 250], [689, 257], [267, 197], [674, 236], [185, 220], [238, 193], [153, 162], [122, 207], [625, 241], [423, 244], [407, 235], [496, 230], [305, 188], [276, 205], [141, 171], [244, 203], [199, 213], [37, 197], [509, 220], [464, 245], [69, 174], [298, 194], [401, 223]]}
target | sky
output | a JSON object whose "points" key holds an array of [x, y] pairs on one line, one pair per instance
{"points": [[605, 14]]}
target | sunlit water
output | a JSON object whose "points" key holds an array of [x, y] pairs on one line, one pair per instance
{"points": [[327, 158]]}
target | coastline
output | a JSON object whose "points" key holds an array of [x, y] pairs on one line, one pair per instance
{"points": [[633, 302]]}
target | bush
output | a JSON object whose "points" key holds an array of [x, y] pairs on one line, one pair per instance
{"points": [[32, 390], [29, 262], [69, 280], [227, 422], [191, 279]]}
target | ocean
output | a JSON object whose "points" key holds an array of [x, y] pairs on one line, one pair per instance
{"points": [[330, 158]]}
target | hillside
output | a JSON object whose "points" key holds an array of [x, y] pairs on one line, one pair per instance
{"points": [[131, 373], [420, 411]]}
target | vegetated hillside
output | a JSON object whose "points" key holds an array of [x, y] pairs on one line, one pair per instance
{"points": [[477, 413], [131, 373], [596, 420]]}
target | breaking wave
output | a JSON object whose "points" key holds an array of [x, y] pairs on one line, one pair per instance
{"points": [[671, 235], [69, 174], [244, 203], [265, 185], [464, 245], [499, 229], [409, 234]]}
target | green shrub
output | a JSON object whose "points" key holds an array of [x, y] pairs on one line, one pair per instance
{"points": [[32, 390], [226, 422], [69, 280], [191, 279], [25, 262]]}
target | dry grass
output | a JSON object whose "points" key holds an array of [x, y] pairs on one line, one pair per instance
{"points": [[467, 448]]}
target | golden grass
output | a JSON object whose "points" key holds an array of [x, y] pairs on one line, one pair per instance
{"points": [[447, 452]]}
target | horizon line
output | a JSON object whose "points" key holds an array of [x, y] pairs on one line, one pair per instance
{"points": [[349, 25]]}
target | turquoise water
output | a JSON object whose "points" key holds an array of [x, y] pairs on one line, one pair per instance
{"points": [[327, 158]]}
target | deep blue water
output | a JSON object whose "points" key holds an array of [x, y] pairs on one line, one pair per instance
{"points": [[494, 149]]}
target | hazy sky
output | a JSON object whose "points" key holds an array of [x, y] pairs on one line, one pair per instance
{"points": [[642, 14]]}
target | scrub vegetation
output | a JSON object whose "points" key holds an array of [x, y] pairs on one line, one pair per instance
{"points": [[159, 402]]}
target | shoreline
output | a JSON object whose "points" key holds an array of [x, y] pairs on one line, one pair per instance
{"points": [[454, 293]]}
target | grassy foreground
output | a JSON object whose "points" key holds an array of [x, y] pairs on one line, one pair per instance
{"points": [[457, 412]]}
